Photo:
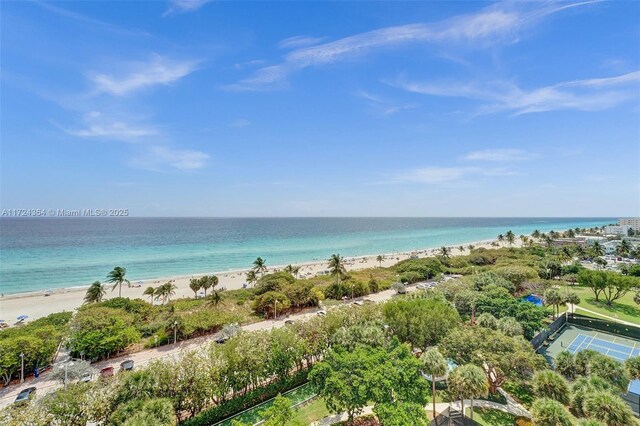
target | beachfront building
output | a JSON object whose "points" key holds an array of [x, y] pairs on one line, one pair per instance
{"points": [[632, 222], [617, 229]]}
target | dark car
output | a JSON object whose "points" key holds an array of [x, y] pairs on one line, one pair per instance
{"points": [[126, 365], [25, 395], [220, 340]]}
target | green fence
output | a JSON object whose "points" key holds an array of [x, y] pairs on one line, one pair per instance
{"points": [[611, 327]]}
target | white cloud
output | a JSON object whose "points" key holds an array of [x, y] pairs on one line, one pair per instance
{"points": [[99, 126], [140, 75], [499, 155], [152, 152], [184, 6], [492, 24], [381, 105], [240, 122], [583, 95], [447, 175], [299, 41], [157, 158]]}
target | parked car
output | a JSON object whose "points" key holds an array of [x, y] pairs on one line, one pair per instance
{"points": [[25, 395], [358, 303], [126, 365], [86, 378], [289, 322], [106, 372], [322, 312], [221, 339]]}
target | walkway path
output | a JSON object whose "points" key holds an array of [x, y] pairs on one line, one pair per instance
{"points": [[604, 316]]}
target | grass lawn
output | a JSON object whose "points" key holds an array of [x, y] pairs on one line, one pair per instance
{"points": [[491, 417], [624, 308], [315, 410]]}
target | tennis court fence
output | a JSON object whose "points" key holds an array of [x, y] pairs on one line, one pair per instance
{"points": [[604, 325]]}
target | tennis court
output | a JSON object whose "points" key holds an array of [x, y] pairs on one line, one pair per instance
{"points": [[616, 347], [576, 338]]}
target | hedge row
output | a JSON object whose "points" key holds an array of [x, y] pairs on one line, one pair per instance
{"points": [[246, 401]]}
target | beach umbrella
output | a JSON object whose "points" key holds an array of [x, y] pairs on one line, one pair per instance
{"points": [[22, 317]]}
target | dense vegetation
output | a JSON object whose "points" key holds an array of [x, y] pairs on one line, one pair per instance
{"points": [[38, 341], [354, 357]]}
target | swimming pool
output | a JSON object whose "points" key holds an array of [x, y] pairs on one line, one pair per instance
{"points": [[532, 298]]}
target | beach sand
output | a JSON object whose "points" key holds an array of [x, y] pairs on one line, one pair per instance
{"points": [[37, 305]]}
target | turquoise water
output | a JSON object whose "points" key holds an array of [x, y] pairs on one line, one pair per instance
{"points": [[37, 254]]}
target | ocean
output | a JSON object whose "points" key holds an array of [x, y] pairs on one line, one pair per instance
{"points": [[43, 253]]}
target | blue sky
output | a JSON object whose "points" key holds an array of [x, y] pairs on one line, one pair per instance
{"points": [[196, 108]]}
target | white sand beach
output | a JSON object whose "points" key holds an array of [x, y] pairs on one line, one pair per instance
{"points": [[36, 305]]}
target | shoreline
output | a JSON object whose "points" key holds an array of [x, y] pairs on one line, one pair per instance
{"points": [[148, 281], [36, 305]]}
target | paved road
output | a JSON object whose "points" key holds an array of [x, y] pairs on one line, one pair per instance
{"points": [[44, 385]]}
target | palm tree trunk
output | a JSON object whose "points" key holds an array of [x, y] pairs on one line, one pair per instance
{"points": [[471, 408], [120, 289], [433, 387]]}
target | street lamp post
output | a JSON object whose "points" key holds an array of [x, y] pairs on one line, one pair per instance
{"points": [[352, 288], [275, 309], [175, 332], [22, 368], [66, 371]]}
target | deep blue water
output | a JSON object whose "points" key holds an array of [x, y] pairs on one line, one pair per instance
{"points": [[42, 253]]}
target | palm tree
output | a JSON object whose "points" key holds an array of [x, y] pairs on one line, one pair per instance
{"points": [[336, 267], [117, 277], [379, 259], [597, 248], [260, 266], [554, 298], [165, 291], [289, 269], [444, 252], [510, 237], [215, 298], [251, 277], [295, 271], [623, 248], [500, 238], [195, 284], [95, 292], [150, 291], [471, 382], [207, 282], [471, 247], [435, 365], [461, 249], [536, 234]]}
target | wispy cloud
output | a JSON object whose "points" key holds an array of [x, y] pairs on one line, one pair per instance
{"points": [[298, 41], [158, 158], [140, 75], [383, 106], [500, 155], [583, 95], [153, 151], [176, 6], [496, 23], [89, 21], [447, 175], [97, 125]]}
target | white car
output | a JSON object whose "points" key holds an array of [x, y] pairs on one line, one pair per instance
{"points": [[322, 312]]}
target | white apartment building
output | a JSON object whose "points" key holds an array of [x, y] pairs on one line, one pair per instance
{"points": [[632, 222], [617, 229]]}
